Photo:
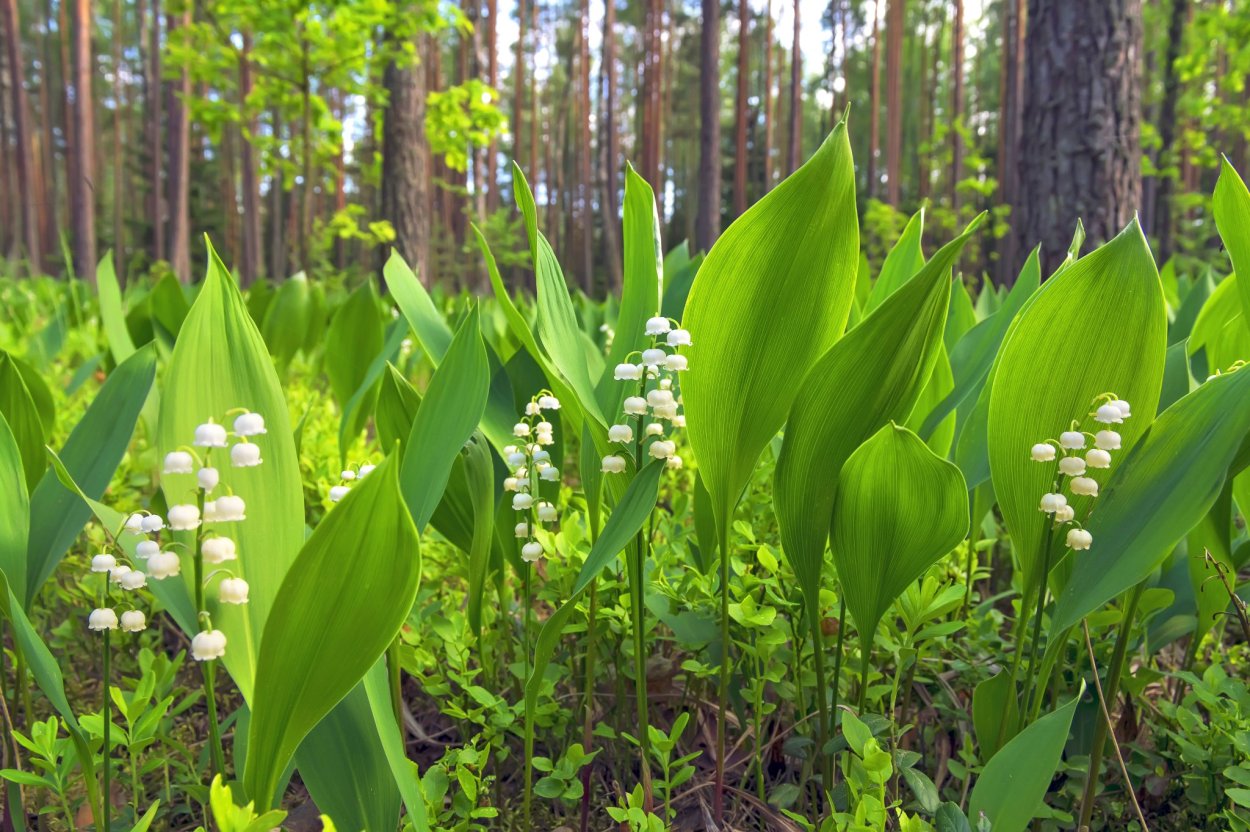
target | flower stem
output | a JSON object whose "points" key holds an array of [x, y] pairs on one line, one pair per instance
{"points": [[588, 726], [1043, 584], [638, 600], [216, 753], [818, 658], [106, 711], [722, 698]]}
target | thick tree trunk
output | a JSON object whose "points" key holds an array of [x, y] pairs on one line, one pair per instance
{"points": [[585, 153], [611, 151], [152, 128], [894, 102], [82, 188], [1081, 131], [250, 268], [1009, 127], [49, 225], [492, 78], [707, 223], [25, 161], [121, 185], [8, 179], [768, 99], [740, 109], [518, 86], [405, 187], [1167, 131], [180, 165], [957, 103], [874, 102], [794, 154]]}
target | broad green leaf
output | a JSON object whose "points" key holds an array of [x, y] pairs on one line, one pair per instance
{"points": [[18, 409], [677, 283], [366, 395], [417, 307], [479, 478], [377, 688], [14, 509], [885, 536], [1220, 329], [288, 318], [940, 386], [40, 393], [1014, 783], [1212, 534], [448, 415], [1231, 206], [961, 317], [904, 259], [355, 333], [91, 454], [112, 313], [772, 296], [993, 704], [342, 602], [398, 402], [1098, 326], [854, 390], [1157, 492]]}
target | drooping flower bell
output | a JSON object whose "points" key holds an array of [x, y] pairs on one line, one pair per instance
{"points": [[1084, 486], [679, 338], [246, 455], [134, 621], [132, 579], [654, 429], [179, 462], [1072, 466], [658, 325], [249, 424], [152, 523], [367, 469], [208, 645], [208, 478], [516, 459], [103, 563], [520, 429], [338, 492], [635, 406], [230, 508], [613, 464], [134, 523], [217, 550], [654, 357], [146, 548], [549, 473], [118, 572], [1043, 452], [548, 403], [662, 449], [531, 408], [673, 463], [1065, 514], [164, 565], [184, 517], [1107, 440], [521, 502], [627, 372], [665, 411], [1079, 539], [232, 591], [522, 530], [1125, 409], [547, 513], [531, 551], [1052, 502], [210, 435], [1073, 440], [676, 363], [1109, 414], [1097, 458], [102, 619], [620, 433]]}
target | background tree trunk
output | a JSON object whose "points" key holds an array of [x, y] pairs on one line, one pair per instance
{"points": [[1081, 131], [707, 222], [250, 267], [874, 102], [794, 154], [82, 188], [1009, 127], [1167, 131], [768, 99], [740, 109], [611, 150], [27, 199], [404, 183], [180, 165], [894, 101], [957, 103]]}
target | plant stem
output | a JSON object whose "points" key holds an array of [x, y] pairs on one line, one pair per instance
{"points": [[588, 725], [1112, 691], [722, 697], [216, 753], [640, 667], [106, 711], [1035, 639], [396, 683], [865, 659], [818, 656], [972, 565]]}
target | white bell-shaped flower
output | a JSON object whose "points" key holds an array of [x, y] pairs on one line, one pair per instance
{"points": [[548, 403], [146, 548], [673, 463], [1109, 414], [509, 450], [164, 565], [207, 478], [653, 357], [550, 473], [520, 429], [531, 551], [133, 579], [103, 563], [516, 459], [545, 438], [338, 492], [117, 572], [521, 502], [654, 429], [232, 591], [665, 411], [1097, 458], [547, 513], [102, 619], [184, 517], [210, 511], [510, 484], [1052, 502], [179, 462], [676, 363], [134, 621], [1079, 539], [1073, 440], [635, 406], [1107, 440], [620, 433], [1125, 409], [1064, 514], [522, 530], [1072, 466], [679, 421], [613, 464], [152, 523], [662, 449], [544, 427], [531, 408], [679, 338], [1084, 486], [249, 424], [657, 397], [541, 456], [627, 372], [134, 523], [230, 508], [208, 645], [245, 455], [367, 469], [347, 474], [1043, 452], [658, 325], [210, 435], [217, 550]]}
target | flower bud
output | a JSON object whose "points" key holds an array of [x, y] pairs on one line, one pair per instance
{"points": [[347, 474], [207, 478], [655, 429], [1043, 452], [1107, 440], [1064, 514], [134, 621], [232, 591], [179, 462], [230, 508], [1079, 539], [548, 403], [367, 469], [134, 523], [657, 325], [1125, 409], [245, 455], [531, 408], [676, 363], [146, 548], [674, 463], [547, 513], [662, 449], [164, 565], [102, 619], [620, 433], [249, 424], [653, 357], [613, 464], [516, 459], [152, 523], [184, 517], [1084, 486], [132, 579], [550, 474], [679, 338], [1072, 466], [217, 550], [210, 435], [1073, 440], [103, 563], [522, 530], [208, 645], [520, 429]]}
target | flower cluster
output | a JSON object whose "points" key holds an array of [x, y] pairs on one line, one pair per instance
{"points": [[530, 464], [655, 400], [161, 559], [1075, 462], [346, 478]]}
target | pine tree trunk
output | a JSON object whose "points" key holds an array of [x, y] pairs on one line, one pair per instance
{"points": [[740, 109], [492, 78], [48, 223], [957, 104], [20, 109], [8, 178], [1009, 127], [518, 87], [894, 102], [180, 165], [707, 223], [794, 155], [1167, 130], [611, 150], [405, 187], [874, 102], [768, 99], [121, 185], [277, 191], [585, 152], [82, 188], [251, 266], [1081, 130], [156, 147]]}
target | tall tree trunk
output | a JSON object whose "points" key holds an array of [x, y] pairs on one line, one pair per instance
{"points": [[307, 152], [82, 189], [1084, 156], [923, 166], [120, 182], [707, 223], [1009, 127], [518, 86], [740, 109], [48, 222], [794, 156], [894, 101], [768, 99], [251, 266], [585, 151], [874, 102], [156, 147], [535, 104], [1167, 131], [180, 163], [492, 78], [26, 197], [957, 103], [611, 151], [277, 188], [405, 185], [9, 195]]}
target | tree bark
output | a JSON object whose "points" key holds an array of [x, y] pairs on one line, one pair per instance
{"points": [[250, 268], [156, 147], [611, 150], [518, 86], [707, 223], [180, 164], [1167, 131], [585, 152], [794, 155], [492, 78], [1009, 127], [874, 102], [120, 183], [277, 188], [27, 199], [1081, 130], [957, 103], [894, 102], [740, 109], [768, 99], [82, 188], [405, 187]]}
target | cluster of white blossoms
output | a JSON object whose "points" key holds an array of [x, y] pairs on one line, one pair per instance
{"points": [[346, 478], [530, 465], [659, 402], [1076, 461], [161, 559]]}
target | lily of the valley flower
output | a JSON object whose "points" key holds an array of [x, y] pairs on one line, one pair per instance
{"points": [[184, 517], [627, 372], [662, 449], [520, 429], [1072, 466], [1065, 514], [246, 455], [613, 464], [208, 645], [658, 325], [164, 565], [547, 513], [249, 424], [620, 433], [217, 550], [1125, 409], [1079, 539], [146, 548], [636, 406], [676, 363], [210, 435], [1073, 440], [228, 509], [152, 523], [1097, 458], [673, 463], [134, 621], [132, 579], [1084, 486], [548, 403], [208, 478], [531, 551], [1043, 452], [102, 619], [1052, 502], [521, 502], [103, 563], [1109, 414], [232, 591], [679, 338], [522, 530], [653, 357], [179, 462], [1107, 440], [338, 492]]}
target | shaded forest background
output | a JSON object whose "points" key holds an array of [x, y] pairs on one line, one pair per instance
{"points": [[314, 136]]}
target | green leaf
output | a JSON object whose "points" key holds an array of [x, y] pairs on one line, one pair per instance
{"points": [[1098, 326], [904, 259], [1011, 789], [365, 398], [1160, 490], [288, 318], [355, 333], [398, 402], [940, 386], [18, 409], [14, 509], [885, 537], [91, 454], [448, 415], [1231, 205], [112, 313], [854, 390], [1211, 534], [377, 688], [340, 606], [417, 307], [993, 704], [772, 296]]}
